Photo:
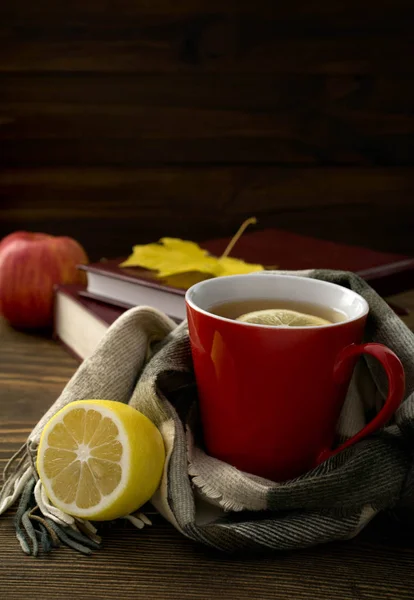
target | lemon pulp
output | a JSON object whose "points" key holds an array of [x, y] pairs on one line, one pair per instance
{"points": [[280, 317], [100, 459]]}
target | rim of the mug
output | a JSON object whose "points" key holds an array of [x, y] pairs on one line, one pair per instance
{"points": [[279, 276]]}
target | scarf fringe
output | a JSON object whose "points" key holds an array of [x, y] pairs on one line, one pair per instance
{"points": [[17, 481], [40, 524], [52, 527], [206, 489], [138, 520]]}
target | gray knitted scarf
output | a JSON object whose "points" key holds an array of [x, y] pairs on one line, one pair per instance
{"points": [[144, 360]]}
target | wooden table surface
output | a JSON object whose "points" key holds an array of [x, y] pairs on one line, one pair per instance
{"points": [[157, 562]]}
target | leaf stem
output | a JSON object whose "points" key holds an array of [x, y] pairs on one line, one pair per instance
{"points": [[237, 235]]}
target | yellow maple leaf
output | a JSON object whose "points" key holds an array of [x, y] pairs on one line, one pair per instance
{"points": [[182, 263]]}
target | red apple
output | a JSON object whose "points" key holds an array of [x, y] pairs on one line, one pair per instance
{"points": [[30, 266]]}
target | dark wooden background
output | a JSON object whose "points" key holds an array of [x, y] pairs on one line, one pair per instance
{"points": [[122, 121]]}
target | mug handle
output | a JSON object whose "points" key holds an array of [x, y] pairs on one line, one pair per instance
{"points": [[396, 388]]}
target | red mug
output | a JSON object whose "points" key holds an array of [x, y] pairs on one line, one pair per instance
{"points": [[270, 397]]}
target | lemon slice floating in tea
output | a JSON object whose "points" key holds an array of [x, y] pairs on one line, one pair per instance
{"points": [[99, 459], [280, 317]]}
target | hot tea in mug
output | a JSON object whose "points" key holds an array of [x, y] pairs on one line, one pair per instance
{"points": [[270, 396], [243, 307]]}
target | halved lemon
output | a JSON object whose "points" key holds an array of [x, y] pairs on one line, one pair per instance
{"points": [[280, 317], [100, 459]]}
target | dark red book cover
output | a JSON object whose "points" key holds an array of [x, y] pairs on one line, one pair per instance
{"points": [[388, 273], [112, 269], [292, 251]]}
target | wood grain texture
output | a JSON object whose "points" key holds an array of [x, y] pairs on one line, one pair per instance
{"points": [[166, 118], [158, 562], [109, 210], [214, 43], [44, 131], [256, 93], [298, 14]]}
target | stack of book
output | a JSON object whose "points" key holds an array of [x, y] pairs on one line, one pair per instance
{"points": [[83, 314]]}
